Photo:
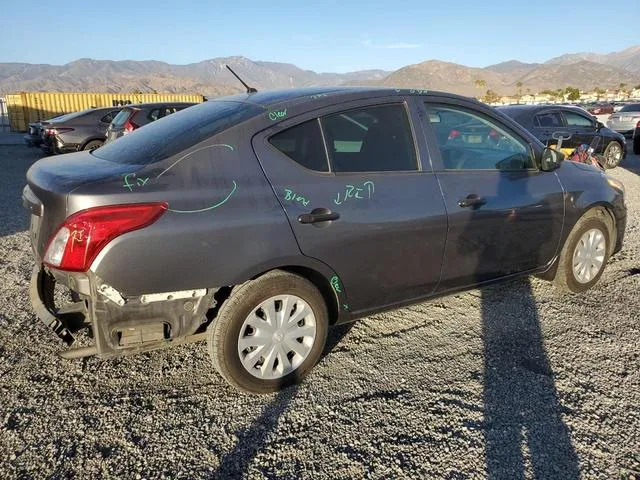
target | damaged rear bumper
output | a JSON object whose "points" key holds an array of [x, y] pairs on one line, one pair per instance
{"points": [[116, 323]]}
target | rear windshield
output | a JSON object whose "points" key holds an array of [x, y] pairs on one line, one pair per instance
{"points": [[121, 118], [634, 107], [175, 133], [69, 116]]}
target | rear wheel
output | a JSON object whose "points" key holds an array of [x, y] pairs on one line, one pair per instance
{"points": [[613, 154], [269, 333], [584, 255], [93, 144]]}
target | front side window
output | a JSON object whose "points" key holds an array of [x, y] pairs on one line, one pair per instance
{"points": [[370, 139], [576, 120], [548, 120], [469, 141], [303, 144]]}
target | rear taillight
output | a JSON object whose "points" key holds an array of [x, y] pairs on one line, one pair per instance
{"points": [[454, 134], [84, 234], [638, 124], [129, 125], [56, 131]]}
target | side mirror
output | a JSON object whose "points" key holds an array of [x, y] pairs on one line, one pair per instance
{"points": [[550, 159]]}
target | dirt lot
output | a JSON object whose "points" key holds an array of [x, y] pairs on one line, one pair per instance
{"points": [[510, 381]]}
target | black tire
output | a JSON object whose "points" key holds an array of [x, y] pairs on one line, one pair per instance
{"points": [[93, 144], [612, 162], [565, 279], [224, 331], [636, 144]]}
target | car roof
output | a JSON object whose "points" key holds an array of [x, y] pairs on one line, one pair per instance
{"points": [[158, 104], [528, 111], [298, 96]]}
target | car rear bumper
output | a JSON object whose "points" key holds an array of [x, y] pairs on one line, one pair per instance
{"points": [[117, 325]]}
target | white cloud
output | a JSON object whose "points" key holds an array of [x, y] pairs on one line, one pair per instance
{"points": [[403, 45]]}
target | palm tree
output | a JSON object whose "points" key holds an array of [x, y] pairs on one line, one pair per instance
{"points": [[519, 90]]}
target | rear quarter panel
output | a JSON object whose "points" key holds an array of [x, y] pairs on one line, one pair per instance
{"points": [[223, 225]]}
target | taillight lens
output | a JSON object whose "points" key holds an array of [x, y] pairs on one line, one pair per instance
{"points": [[638, 124], [56, 131], [454, 134], [84, 234], [129, 125]]}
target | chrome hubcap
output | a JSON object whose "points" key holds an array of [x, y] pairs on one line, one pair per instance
{"points": [[615, 154], [588, 256], [276, 337]]}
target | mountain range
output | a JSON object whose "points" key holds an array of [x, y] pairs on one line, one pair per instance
{"points": [[210, 77]]}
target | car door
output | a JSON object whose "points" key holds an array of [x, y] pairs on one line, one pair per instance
{"points": [[581, 128], [505, 215], [547, 124], [361, 165]]}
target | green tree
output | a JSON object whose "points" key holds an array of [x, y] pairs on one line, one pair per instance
{"points": [[490, 97], [518, 91], [572, 94], [481, 84], [599, 92]]}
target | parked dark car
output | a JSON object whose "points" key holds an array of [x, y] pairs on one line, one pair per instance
{"points": [[135, 116], [84, 130], [626, 120], [256, 221], [601, 109], [575, 125], [33, 138]]}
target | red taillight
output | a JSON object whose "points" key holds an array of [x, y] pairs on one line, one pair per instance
{"points": [[454, 134], [56, 131], [84, 234], [638, 124], [129, 125]]}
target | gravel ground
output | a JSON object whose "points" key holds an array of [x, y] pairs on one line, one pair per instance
{"points": [[512, 381]]}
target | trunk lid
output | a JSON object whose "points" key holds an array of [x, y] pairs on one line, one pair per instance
{"points": [[49, 183]]}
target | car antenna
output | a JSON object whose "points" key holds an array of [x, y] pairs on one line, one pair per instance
{"points": [[249, 89]]}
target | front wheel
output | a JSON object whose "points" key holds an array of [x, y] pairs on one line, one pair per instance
{"points": [[612, 155], [584, 255], [269, 333]]}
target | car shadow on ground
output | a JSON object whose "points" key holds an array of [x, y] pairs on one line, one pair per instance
{"points": [[14, 163], [524, 429], [251, 440]]}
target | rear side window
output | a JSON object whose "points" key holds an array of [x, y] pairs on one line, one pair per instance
{"points": [[549, 120], [175, 133], [371, 139], [109, 117], [303, 144], [576, 120]]}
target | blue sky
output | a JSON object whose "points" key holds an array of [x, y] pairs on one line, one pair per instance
{"points": [[324, 35]]}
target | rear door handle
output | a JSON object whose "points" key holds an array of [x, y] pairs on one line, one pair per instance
{"points": [[472, 200], [318, 215]]}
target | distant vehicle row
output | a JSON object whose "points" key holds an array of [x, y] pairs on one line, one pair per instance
{"points": [[90, 129]]}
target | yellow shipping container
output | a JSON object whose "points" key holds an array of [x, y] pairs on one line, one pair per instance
{"points": [[27, 107]]}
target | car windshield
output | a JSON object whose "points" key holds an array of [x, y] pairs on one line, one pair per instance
{"points": [[177, 132], [634, 107]]}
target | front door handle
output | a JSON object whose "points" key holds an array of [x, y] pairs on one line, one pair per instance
{"points": [[472, 200], [318, 215]]}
